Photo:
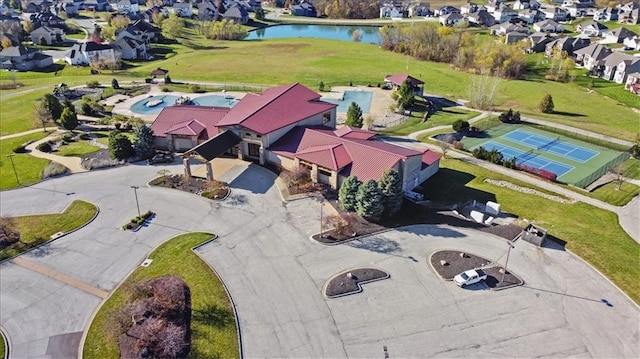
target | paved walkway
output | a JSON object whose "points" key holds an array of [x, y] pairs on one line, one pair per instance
{"points": [[72, 163]]}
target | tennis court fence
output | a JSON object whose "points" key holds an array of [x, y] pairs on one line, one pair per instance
{"points": [[602, 170]]}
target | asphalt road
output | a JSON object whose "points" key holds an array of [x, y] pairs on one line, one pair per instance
{"points": [[275, 275]]}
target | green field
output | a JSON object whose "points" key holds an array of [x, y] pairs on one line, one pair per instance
{"points": [[37, 229], [595, 167], [589, 232], [445, 116], [213, 327], [77, 149], [29, 169]]}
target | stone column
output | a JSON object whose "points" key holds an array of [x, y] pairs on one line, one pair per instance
{"points": [[187, 167], [314, 173], [262, 159], [209, 171], [333, 181]]}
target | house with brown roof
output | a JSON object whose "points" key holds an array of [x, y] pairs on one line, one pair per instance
{"points": [[289, 126]]}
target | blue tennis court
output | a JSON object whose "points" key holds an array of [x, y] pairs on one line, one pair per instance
{"points": [[528, 158], [552, 145]]}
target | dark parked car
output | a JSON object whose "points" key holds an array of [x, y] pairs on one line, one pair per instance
{"points": [[160, 158]]}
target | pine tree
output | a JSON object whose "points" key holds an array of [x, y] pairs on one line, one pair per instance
{"points": [[143, 142], [53, 106], [546, 105], [347, 193], [391, 188], [69, 119], [405, 95], [115, 84], [354, 116], [370, 201], [120, 146]]}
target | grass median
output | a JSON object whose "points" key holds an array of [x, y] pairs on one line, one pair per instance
{"points": [[77, 149], [38, 229], [28, 169], [591, 233], [214, 332]]}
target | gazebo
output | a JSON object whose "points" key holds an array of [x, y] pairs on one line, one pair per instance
{"points": [[160, 72], [397, 80]]}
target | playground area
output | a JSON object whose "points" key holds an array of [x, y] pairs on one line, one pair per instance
{"points": [[573, 161]]}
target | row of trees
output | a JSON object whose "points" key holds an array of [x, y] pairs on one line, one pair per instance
{"points": [[431, 42], [49, 109], [122, 147], [372, 200], [349, 9]]}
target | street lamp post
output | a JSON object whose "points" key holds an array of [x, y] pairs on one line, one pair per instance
{"points": [[506, 262], [135, 191], [15, 173], [321, 205]]}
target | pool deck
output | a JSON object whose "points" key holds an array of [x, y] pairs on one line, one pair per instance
{"points": [[379, 108]]}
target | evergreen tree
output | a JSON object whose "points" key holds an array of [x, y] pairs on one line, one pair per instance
{"points": [[546, 105], [347, 193], [354, 116], [405, 95], [370, 201], [119, 145], [115, 84], [391, 187], [52, 105], [143, 141], [69, 119]]}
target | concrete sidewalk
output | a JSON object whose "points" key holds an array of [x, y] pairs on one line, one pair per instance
{"points": [[72, 163]]}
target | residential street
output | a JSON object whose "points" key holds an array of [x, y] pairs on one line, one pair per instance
{"points": [[275, 275]]}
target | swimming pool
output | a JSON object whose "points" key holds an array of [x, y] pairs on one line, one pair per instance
{"points": [[362, 98], [162, 101], [215, 100]]}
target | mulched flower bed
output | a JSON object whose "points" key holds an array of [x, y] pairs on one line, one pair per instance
{"points": [[457, 264], [211, 189], [345, 284], [509, 231]]}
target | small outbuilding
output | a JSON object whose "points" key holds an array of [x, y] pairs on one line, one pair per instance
{"points": [[534, 234]]}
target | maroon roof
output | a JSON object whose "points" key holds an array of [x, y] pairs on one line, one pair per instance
{"points": [[198, 121], [399, 79], [353, 132], [364, 158], [276, 108], [159, 72], [429, 158]]}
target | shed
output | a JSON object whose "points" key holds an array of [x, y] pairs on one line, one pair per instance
{"points": [[534, 234]]}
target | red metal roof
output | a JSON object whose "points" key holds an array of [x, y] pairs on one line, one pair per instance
{"points": [[187, 128], [276, 108], [174, 118], [364, 158], [399, 79], [353, 132], [430, 157]]}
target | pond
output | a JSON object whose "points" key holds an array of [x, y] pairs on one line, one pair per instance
{"points": [[334, 32]]}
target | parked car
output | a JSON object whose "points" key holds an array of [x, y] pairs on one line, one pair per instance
{"points": [[470, 277], [160, 158], [413, 196]]}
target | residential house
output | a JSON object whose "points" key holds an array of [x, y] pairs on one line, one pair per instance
{"points": [[130, 48], [183, 9], [617, 36], [633, 83], [68, 7], [577, 10], [289, 127], [632, 43], [22, 58], [493, 5], [145, 31], [45, 35], [631, 17], [606, 14], [504, 13], [447, 9], [35, 6], [548, 26], [47, 18], [238, 14], [592, 56], [304, 8], [88, 52], [521, 5], [618, 65], [97, 5], [555, 13], [207, 10], [13, 39], [127, 7], [591, 29], [481, 18], [468, 8], [390, 11], [530, 16], [538, 42], [503, 29], [513, 37], [395, 81], [420, 10], [450, 19], [565, 44]]}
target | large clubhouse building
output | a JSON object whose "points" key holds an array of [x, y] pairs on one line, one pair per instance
{"points": [[290, 126]]}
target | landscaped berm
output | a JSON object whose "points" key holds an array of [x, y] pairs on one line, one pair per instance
{"points": [[351, 281], [448, 264]]}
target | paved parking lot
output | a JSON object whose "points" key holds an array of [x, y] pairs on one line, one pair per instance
{"points": [[275, 274]]}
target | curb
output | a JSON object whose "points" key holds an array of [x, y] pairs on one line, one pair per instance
{"points": [[359, 290], [58, 237], [7, 343]]}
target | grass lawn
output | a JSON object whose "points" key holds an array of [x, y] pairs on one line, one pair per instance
{"points": [[609, 193], [77, 149], [3, 350], [213, 329], [446, 116], [589, 232], [37, 229], [631, 168], [29, 168]]}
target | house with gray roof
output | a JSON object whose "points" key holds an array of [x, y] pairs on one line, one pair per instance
{"points": [[130, 48], [592, 29], [618, 65], [183, 9], [592, 56], [548, 25], [23, 58], [45, 35], [87, 52], [617, 36], [565, 44], [538, 42], [606, 14]]}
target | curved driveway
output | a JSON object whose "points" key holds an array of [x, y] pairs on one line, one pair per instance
{"points": [[275, 275]]}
